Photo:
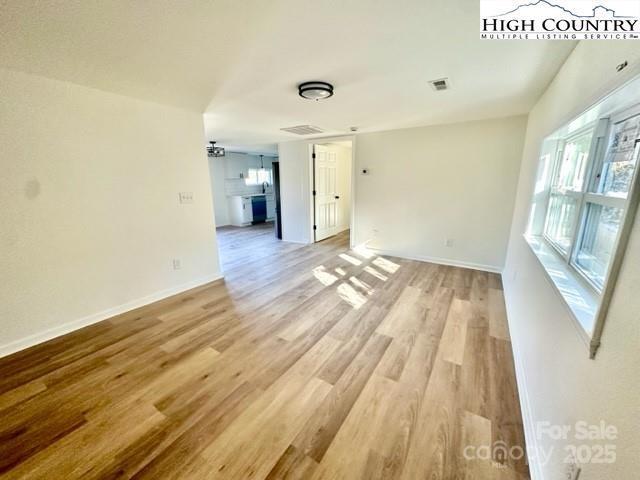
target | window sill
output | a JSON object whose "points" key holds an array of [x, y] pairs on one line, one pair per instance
{"points": [[581, 300]]}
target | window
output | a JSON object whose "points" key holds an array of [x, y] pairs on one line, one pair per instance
{"points": [[606, 199], [584, 215], [561, 215], [566, 189], [584, 203], [257, 176], [597, 242]]}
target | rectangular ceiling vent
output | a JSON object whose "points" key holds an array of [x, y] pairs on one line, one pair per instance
{"points": [[303, 130], [440, 84]]}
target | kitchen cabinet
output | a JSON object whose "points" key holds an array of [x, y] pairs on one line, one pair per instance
{"points": [[236, 166], [253, 161], [240, 210]]}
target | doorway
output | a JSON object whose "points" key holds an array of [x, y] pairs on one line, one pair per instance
{"points": [[331, 188], [246, 201]]}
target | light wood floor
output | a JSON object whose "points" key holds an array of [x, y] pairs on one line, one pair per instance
{"points": [[242, 245], [307, 362]]}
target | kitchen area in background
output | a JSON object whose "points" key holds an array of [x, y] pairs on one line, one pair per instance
{"points": [[243, 186], [245, 200]]}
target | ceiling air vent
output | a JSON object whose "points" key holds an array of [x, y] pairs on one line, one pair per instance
{"points": [[440, 84], [303, 130]]}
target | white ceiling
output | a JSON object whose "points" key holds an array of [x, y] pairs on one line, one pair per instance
{"points": [[240, 61]]}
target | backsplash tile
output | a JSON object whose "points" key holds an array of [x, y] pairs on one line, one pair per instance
{"points": [[237, 186]]}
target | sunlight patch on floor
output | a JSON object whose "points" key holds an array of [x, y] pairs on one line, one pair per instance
{"points": [[362, 285], [386, 265], [363, 251], [351, 296], [350, 259], [355, 291], [375, 273], [325, 277]]}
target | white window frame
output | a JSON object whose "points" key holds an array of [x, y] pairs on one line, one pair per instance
{"points": [[577, 195], [598, 147]]}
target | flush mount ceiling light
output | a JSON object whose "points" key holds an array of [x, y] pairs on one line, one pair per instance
{"points": [[315, 90]]}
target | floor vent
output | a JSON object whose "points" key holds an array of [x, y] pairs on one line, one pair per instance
{"points": [[303, 130], [440, 84]]}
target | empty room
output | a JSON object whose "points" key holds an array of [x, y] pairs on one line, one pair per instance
{"points": [[277, 239]]}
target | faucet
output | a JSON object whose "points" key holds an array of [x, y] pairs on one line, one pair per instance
{"points": [[264, 187]]}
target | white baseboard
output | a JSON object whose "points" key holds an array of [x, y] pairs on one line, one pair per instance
{"points": [[40, 337], [439, 261], [535, 468]]}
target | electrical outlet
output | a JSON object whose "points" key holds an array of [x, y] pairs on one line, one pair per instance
{"points": [[448, 242], [177, 264], [185, 197]]}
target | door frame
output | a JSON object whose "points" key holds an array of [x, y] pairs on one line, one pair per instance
{"points": [[313, 193], [312, 171], [275, 169]]}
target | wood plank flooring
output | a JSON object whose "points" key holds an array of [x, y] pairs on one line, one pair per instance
{"points": [[306, 362], [242, 245]]}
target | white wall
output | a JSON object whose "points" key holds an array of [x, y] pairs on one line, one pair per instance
{"points": [[220, 204], [89, 213], [557, 381], [428, 184]]}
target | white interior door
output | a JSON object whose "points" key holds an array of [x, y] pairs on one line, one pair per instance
{"points": [[327, 208]]}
